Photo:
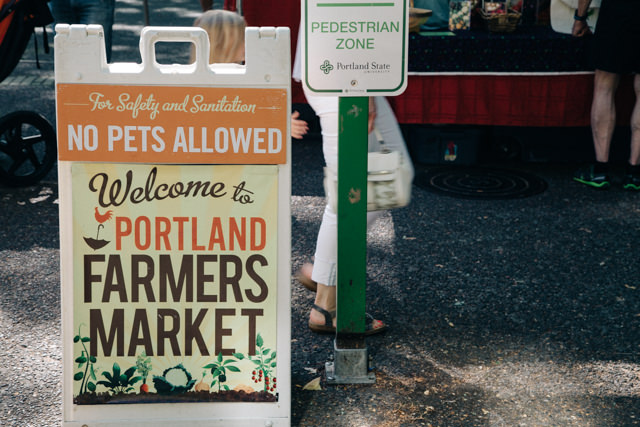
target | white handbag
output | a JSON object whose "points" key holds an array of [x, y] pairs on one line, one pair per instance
{"points": [[388, 180], [562, 12]]}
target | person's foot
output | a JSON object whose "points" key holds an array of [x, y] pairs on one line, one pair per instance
{"points": [[323, 311], [328, 323], [322, 317], [631, 182], [304, 277], [321, 320], [589, 176]]}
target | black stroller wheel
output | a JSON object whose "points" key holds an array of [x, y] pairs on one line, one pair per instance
{"points": [[27, 148]]}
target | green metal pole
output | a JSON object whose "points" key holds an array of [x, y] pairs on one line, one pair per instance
{"points": [[353, 114]]}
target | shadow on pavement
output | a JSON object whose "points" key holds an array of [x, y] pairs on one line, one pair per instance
{"points": [[502, 312]]}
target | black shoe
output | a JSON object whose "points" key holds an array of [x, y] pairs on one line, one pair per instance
{"points": [[586, 175], [631, 182]]}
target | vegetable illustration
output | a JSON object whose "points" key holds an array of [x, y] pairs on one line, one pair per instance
{"points": [[202, 386], [265, 361], [220, 368], [173, 380], [120, 382], [86, 360], [143, 365]]}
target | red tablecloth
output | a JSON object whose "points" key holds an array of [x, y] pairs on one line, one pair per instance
{"points": [[561, 100], [513, 100]]}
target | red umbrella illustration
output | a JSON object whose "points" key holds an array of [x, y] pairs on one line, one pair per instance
{"points": [[98, 243]]}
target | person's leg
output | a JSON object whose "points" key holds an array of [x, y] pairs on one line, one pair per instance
{"points": [[109, 17], [631, 180], [634, 157], [603, 123], [603, 112], [62, 12], [98, 12], [324, 271], [325, 258], [325, 303]]}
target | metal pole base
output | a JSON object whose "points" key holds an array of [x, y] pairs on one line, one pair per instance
{"points": [[349, 366]]}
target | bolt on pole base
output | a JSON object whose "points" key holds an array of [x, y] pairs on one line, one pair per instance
{"points": [[349, 366]]}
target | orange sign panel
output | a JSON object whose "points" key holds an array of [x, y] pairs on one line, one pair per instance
{"points": [[171, 124]]}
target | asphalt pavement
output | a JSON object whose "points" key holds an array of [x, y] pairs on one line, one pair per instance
{"points": [[515, 312]]}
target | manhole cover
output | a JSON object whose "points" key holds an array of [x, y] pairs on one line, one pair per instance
{"points": [[481, 183]]}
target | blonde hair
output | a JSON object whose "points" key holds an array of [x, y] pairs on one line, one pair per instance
{"points": [[226, 34]]}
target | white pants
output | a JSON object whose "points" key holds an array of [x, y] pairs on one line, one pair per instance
{"points": [[326, 108]]}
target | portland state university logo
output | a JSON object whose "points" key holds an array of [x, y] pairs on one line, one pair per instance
{"points": [[326, 66]]}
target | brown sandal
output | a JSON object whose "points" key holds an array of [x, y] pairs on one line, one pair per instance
{"points": [[328, 327], [374, 326]]}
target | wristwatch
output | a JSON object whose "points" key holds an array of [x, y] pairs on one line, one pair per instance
{"points": [[580, 18]]}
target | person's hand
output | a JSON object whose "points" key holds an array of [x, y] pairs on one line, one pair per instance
{"points": [[580, 28], [372, 113], [299, 128]]}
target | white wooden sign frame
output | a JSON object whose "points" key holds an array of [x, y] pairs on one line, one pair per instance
{"points": [[80, 60]]}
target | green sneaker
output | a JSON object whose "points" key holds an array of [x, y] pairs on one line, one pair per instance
{"points": [[631, 182], [586, 175]]}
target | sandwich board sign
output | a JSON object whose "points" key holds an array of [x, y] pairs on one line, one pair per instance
{"points": [[174, 188], [355, 47]]}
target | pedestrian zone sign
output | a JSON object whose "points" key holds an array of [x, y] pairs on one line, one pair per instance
{"points": [[354, 48]]}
